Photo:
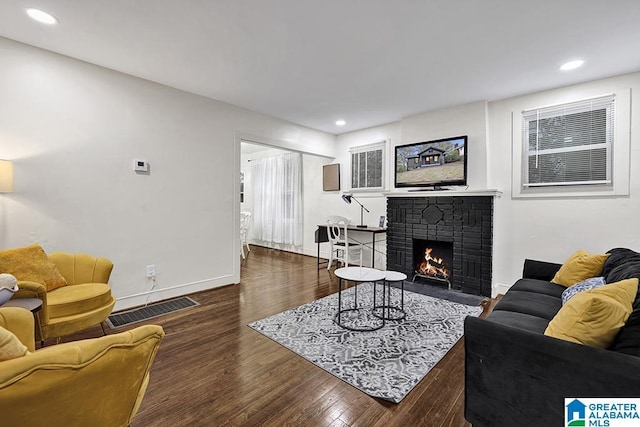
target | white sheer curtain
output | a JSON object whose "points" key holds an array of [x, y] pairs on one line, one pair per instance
{"points": [[277, 199]]}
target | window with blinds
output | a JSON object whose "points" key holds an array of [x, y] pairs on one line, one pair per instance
{"points": [[568, 144], [367, 167]]}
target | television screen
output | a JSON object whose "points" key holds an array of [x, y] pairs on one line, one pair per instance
{"points": [[432, 163]]}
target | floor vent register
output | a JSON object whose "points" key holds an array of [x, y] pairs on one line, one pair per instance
{"points": [[123, 318]]}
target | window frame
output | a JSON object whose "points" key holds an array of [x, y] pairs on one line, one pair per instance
{"points": [[620, 152], [377, 146], [606, 102]]}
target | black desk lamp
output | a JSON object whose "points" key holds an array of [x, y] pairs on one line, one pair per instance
{"points": [[347, 198]]}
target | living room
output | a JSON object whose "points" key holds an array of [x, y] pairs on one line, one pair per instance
{"points": [[73, 128]]}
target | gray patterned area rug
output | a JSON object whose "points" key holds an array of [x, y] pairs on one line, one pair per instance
{"points": [[387, 363]]}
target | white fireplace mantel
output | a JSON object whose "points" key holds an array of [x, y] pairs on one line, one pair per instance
{"points": [[444, 193]]}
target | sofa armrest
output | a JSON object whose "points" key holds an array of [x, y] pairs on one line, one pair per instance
{"points": [[540, 270], [34, 290], [20, 322], [513, 374]]}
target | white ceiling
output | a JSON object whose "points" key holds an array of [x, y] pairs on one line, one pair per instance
{"points": [[368, 62]]}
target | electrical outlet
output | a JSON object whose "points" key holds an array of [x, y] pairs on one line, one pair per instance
{"points": [[151, 270]]}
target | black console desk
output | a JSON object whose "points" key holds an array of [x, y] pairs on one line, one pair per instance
{"points": [[322, 237]]}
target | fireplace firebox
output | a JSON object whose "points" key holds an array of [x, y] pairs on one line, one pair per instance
{"points": [[433, 261]]}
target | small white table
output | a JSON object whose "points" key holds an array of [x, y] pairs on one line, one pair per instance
{"points": [[357, 275], [400, 314]]}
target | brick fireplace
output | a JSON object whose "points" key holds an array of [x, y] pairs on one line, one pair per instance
{"points": [[462, 223]]}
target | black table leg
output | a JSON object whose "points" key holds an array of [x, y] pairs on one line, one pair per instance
{"points": [[373, 251], [339, 300], [338, 317]]}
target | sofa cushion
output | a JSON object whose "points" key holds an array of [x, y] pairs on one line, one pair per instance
{"points": [[534, 304], [10, 346], [594, 317], [628, 339], [31, 264], [625, 264], [622, 264], [585, 285], [538, 287], [74, 299], [580, 266], [519, 320]]}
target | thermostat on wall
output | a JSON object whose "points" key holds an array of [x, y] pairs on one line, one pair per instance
{"points": [[140, 166]]}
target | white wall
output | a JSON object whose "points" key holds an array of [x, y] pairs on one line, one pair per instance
{"points": [[553, 228], [374, 201], [467, 119], [73, 130], [540, 228], [319, 204]]}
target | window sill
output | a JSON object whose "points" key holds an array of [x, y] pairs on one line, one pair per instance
{"points": [[569, 192], [364, 192]]}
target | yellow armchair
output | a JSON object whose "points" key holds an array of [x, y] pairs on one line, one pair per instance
{"points": [[94, 382], [85, 301]]}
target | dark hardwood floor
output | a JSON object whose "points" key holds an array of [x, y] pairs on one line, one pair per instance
{"points": [[213, 370]]}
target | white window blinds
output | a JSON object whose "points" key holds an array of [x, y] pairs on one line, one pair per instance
{"points": [[367, 167], [568, 144]]}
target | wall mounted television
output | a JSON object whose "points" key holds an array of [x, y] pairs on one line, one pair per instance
{"points": [[432, 163]]}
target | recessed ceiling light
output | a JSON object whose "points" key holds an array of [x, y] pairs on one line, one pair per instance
{"points": [[340, 122], [42, 16], [571, 65]]}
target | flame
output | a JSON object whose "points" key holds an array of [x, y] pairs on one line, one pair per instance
{"points": [[432, 266]]}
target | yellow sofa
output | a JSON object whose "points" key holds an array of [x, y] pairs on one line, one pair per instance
{"points": [[85, 301], [94, 382]]}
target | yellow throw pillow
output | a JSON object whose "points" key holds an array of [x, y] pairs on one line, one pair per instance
{"points": [[580, 266], [594, 317], [10, 346], [31, 264]]}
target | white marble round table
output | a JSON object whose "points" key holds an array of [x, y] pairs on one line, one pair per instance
{"points": [[357, 275]]}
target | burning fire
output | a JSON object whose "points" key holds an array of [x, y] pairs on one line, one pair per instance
{"points": [[433, 267]]}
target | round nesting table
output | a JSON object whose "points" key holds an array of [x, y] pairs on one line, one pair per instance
{"points": [[358, 275], [392, 312]]}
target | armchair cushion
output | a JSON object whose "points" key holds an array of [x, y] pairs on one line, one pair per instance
{"points": [[32, 264], [10, 346], [76, 299]]}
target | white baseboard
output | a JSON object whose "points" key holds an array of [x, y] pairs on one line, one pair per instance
{"points": [[499, 288], [129, 301]]}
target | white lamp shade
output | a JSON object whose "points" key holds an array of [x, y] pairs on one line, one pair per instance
{"points": [[6, 176]]}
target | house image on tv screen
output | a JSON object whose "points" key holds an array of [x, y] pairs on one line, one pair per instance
{"points": [[431, 163], [432, 156]]}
